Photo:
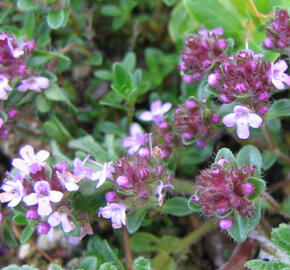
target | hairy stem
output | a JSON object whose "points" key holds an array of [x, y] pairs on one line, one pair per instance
{"points": [[128, 251]]}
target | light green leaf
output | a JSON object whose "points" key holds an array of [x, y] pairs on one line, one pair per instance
{"points": [[141, 264], [89, 263], [26, 234], [134, 220], [177, 206], [111, 10], [105, 75], [224, 153], [281, 237], [262, 265], [144, 242], [108, 266], [56, 18], [129, 61], [269, 158], [278, 109], [251, 155], [43, 105], [27, 5], [259, 185]]}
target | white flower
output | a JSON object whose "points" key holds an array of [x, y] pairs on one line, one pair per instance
{"points": [[116, 212]]}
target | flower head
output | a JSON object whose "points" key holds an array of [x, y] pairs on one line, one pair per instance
{"points": [[278, 76], [242, 117], [34, 83], [136, 140], [157, 111], [116, 212], [42, 196], [30, 162]]}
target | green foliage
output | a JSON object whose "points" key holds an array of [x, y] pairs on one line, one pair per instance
{"points": [[134, 220], [16, 267], [89, 263], [279, 108], [27, 232], [281, 237], [141, 264], [250, 154], [177, 206], [56, 18]]}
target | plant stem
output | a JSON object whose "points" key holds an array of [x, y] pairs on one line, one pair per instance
{"points": [[127, 247], [256, 12], [194, 236]]}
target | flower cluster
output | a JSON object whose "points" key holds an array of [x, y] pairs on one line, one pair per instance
{"points": [[244, 77], [278, 32], [139, 179], [224, 189], [12, 66], [201, 53], [192, 121], [43, 189]]}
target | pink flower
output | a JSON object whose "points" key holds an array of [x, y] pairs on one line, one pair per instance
{"points": [[68, 180], [116, 212], [278, 76], [136, 140], [30, 162], [226, 223], [34, 83], [160, 191], [102, 175], [4, 86], [157, 111], [216, 31], [57, 218], [242, 117], [81, 170], [14, 192], [43, 196]]}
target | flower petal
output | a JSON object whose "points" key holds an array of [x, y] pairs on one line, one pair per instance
{"points": [[155, 107], [55, 196], [243, 128], [230, 120], [135, 129], [254, 120], [44, 207], [42, 155], [27, 153], [146, 116], [30, 199], [281, 65], [166, 107]]}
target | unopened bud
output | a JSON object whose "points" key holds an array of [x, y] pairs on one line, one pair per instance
{"points": [[111, 196], [32, 214], [226, 223], [43, 228], [123, 181], [157, 152]]}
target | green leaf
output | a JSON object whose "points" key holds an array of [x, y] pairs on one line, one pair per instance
{"points": [[163, 261], [194, 206], [129, 61], [111, 128], [224, 153], [177, 206], [108, 266], [105, 75], [111, 10], [212, 14], [144, 242], [89, 145], [122, 80], [16, 267], [134, 220], [259, 185], [20, 219], [141, 264], [39, 58], [169, 243], [281, 237], [242, 226], [101, 249], [96, 60], [57, 153], [262, 265], [89, 263], [56, 267], [56, 18], [8, 236], [279, 108], [251, 155], [43, 105], [169, 2], [29, 24], [26, 234], [269, 158], [27, 5]]}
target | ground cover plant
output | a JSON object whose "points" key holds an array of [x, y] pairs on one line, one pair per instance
{"points": [[144, 135]]}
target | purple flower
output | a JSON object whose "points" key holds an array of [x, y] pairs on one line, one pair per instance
{"points": [[102, 175], [57, 218], [159, 191], [80, 169], [216, 31], [4, 86], [14, 192], [226, 223], [278, 75], [242, 117], [43, 196], [30, 162], [116, 212], [136, 140], [68, 180], [34, 83], [157, 111]]}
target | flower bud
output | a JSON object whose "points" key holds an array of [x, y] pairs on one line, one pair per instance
{"points": [[264, 96], [263, 110], [200, 143], [187, 136], [164, 125], [226, 223], [188, 79], [248, 188], [222, 161], [12, 113], [206, 63], [182, 66], [215, 118], [222, 44], [43, 228], [111, 196], [213, 79], [123, 181], [268, 43], [32, 214], [144, 152], [190, 104], [224, 99]]}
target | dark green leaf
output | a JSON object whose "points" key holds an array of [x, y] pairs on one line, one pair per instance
{"points": [[29, 24], [269, 158], [177, 206], [8, 236], [144, 242], [134, 220], [111, 10], [20, 219], [43, 105]]}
